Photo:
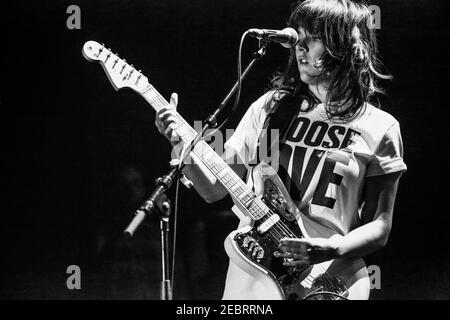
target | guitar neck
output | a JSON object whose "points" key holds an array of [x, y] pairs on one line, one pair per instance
{"points": [[242, 193]]}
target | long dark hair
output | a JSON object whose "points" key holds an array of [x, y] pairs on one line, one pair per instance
{"points": [[345, 27]]}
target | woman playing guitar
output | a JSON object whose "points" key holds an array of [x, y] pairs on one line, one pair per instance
{"points": [[339, 157]]}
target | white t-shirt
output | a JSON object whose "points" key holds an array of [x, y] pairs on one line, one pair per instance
{"points": [[322, 163]]}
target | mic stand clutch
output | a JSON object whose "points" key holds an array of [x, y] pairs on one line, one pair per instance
{"points": [[162, 185]]}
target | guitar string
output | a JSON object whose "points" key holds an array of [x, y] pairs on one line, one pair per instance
{"points": [[292, 235], [279, 230], [325, 274]]}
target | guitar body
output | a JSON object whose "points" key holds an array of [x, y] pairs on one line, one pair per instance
{"points": [[252, 251]]}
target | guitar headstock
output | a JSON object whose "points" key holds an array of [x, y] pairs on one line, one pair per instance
{"points": [[119, 72]]}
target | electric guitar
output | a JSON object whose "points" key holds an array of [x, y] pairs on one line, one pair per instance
{"points": [[273, 214]]}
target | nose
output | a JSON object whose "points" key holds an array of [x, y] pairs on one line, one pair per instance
{"points": [[301, 45]]}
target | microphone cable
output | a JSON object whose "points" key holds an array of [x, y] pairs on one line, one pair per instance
{"points": [[175, 220], [238, 92]]}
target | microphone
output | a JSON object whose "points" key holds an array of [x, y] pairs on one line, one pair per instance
{"points": [[287, 37]]}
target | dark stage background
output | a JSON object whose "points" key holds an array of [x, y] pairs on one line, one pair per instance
{"points": [[79, 157]]}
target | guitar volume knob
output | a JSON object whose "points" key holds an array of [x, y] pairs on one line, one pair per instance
{"points": [[246, 241]]}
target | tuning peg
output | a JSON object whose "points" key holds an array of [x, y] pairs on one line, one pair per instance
{"points": [[107, 56], [129, 75]]}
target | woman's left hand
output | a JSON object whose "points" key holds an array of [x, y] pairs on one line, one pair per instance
{"points": [[308, 251]]}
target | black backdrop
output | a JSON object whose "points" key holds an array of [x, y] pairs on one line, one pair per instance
{"points": [[80, 157]]}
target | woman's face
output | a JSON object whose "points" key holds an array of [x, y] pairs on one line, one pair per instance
{"points": [[308, 51]]}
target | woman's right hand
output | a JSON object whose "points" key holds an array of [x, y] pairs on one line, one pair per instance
{"points": [[165, 118]]}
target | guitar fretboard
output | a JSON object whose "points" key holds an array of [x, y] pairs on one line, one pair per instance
{"points": [[218, 167]]}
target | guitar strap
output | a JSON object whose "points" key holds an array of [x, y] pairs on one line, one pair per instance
{"points": [[280, 116], [285, 108]]}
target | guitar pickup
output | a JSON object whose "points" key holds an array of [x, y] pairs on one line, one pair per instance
{"points": [[269, 223]]}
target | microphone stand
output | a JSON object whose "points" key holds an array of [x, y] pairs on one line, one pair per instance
{"points": [[166, 284], [164, 182]]}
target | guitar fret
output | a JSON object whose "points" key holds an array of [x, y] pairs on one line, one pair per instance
{"points": [[181, 130], [249, 202], [221, 174], [207, 156], [151, 95], [226, 178], [235, 187], [181, 125], [235, 181], [216, 169], [147, 89], [189, 135], [245, 196]]}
